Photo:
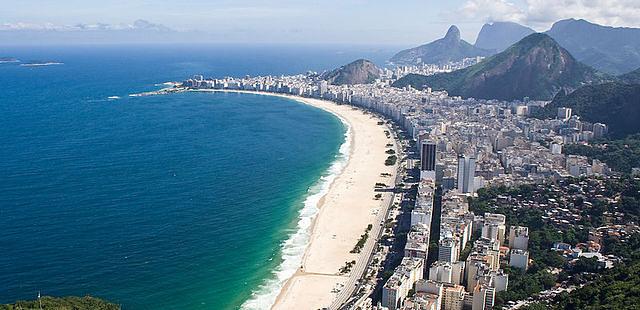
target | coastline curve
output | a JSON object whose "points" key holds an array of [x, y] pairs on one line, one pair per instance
{"points": [[294, 248]]}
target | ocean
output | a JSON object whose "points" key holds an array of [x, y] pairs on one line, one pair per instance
{"points": [[183, 201]]}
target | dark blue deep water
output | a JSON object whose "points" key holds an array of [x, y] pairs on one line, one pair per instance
{"points": [[168, 202]]}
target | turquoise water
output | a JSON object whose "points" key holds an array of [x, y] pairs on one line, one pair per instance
{"points": [[183, 201]]}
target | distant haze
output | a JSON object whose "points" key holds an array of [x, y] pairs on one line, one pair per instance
{"points": [[407, 22]]}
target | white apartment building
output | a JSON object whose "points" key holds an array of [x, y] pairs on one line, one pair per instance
{"points": [[395, 291], [519, 259], [519, 237]]}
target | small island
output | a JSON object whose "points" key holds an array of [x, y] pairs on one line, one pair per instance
{"points": [[4, 60]]}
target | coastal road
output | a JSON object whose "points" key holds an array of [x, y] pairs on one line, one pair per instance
{"points": [[358, 270]]}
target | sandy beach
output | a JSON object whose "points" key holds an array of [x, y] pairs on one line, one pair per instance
{"points": [[343, 213]]}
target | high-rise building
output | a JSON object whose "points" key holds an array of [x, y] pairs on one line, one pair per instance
{"points": [[494, 227], [431, 292], [466, 174], [428, 160], [447, 272], [483, 298], [556, 148], [441, 272], [453, 297], [403, 279], [491, 231], [418, 243], [564, 113], [519, 237], [599, 130], [323, 88], [448, 250], [500, 280], [519, 259]]}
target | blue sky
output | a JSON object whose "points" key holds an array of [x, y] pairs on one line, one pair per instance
{"points": [[336, 21]]}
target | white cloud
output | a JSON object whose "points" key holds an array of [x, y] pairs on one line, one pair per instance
{"points": [[137, 25], [607, 12], [27, 26], [540, 14], [492, 10]]}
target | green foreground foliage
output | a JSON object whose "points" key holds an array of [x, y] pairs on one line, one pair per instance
{"points": [[63, 303]]}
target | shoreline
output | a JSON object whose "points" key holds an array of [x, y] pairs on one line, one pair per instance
{"points": [[263, 296], [346, 211], [342, 213]]}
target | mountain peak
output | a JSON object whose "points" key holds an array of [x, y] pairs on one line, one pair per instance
{"points": [[573, 21], [536, 39], [361, 61], [563, 24], [442, 51], [361, 71], [453, 33], [498, 36], [536, 67]]}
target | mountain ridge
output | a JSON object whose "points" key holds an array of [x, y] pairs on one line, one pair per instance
{"points": [[450, 48], [614, 50], [498, 36], [632, 77], [536, 67]]}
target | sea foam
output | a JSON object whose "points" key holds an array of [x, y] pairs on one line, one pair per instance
{"points": [[293, 249]]}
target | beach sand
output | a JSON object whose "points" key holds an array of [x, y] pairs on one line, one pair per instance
{"points": [[344, 212]]}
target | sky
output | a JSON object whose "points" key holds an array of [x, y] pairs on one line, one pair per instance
{"points": [[315, 21]]}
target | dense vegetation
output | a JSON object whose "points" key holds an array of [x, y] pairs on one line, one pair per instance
{"points": [[621, 155], [617, 288], [64, 303], [615, 104], [535, 67], [542, 234]]}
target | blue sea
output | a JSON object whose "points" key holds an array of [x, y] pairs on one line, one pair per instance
{"points": [[183, 201]]}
